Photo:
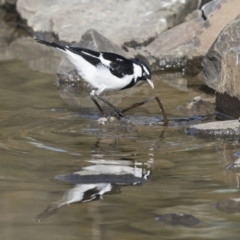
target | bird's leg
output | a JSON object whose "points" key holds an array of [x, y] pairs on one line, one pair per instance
{"points": [[165, 120], [99, 107], [110, 105]]}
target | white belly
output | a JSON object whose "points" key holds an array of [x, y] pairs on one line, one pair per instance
{"points": [[99, 78]]}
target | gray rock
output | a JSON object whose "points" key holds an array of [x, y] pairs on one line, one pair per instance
{"points": [[172, 51], [130, 22], [186, 220], [221, 69], [231, 205], [199, 107], [197, 36], [235, 166], [224, 129], [227, 104]]}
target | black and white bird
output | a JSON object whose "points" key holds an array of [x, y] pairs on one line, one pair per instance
{"points": [[104, 71]]}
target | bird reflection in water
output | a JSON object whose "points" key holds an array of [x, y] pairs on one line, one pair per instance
{"points": [[100, 178]]}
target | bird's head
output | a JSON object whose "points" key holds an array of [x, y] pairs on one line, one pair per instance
{"points": [[145, 72]]}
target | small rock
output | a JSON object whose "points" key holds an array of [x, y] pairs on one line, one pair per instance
{"points": [[102, 121], [199, 107], [223, 129], [231, 205], [173, 219], [234, 166]]}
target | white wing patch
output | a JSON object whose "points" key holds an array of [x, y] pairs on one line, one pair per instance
{"points": [[90, 55], [137, 71], [146, 71], [104, 61], [101, 58]]}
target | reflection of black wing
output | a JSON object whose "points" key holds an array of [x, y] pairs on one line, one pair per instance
{"points": [[119, 65], [120, 179]]}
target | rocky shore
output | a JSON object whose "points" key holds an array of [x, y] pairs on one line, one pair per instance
{"points": [[195, 37]]}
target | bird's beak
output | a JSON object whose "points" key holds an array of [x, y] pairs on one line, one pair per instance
{"points": [[151, 83]]}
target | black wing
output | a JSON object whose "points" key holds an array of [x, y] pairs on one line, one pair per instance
{"points": [[119, 66], [89, 55]]}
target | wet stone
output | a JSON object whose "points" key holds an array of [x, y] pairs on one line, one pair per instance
{"points": [[225, 129], [235, 166], [173, 219], [231, 205], [199, 107]]}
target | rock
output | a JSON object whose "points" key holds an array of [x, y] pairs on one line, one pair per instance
{"points": [[235, 166], [228, 105], [221, 69], [232, 170], [173, 219], [172, 51], [131, 22], [231, 205], [224, 129], [199, 107], [197, 36]]}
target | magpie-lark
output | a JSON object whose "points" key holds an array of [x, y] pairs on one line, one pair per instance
{"points": [[104, 71]]}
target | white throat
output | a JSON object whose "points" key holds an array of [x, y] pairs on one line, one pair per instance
{"points": [[137, 71]]}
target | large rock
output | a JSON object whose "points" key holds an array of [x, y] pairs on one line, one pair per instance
{"points": [[130, 22], [222, 71], [185, 45]]}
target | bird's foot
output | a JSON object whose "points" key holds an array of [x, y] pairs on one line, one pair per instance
{"points": [[105, 115], [119, 115]]}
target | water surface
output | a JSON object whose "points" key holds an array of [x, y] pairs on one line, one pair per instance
{"points": [[42, 137]]}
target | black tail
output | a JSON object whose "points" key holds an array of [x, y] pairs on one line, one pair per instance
{"points": [[52, 44]]}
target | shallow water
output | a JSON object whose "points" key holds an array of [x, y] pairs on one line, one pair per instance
{"points": [[42, 137]]}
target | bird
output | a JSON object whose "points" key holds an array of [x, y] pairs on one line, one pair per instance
{"points": [[104, 71]]}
